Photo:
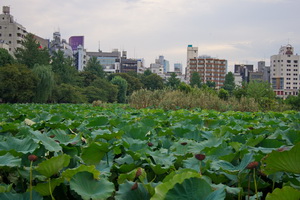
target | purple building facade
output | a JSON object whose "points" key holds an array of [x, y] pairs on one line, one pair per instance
{"points": [[75, 41]]}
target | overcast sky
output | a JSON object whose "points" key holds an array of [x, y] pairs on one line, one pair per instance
{"points": [[241, 31]]}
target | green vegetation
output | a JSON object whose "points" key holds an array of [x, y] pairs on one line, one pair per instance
{"points": [[70, 151]]}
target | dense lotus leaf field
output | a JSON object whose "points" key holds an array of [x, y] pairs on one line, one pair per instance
{"points": [[83, 152]]}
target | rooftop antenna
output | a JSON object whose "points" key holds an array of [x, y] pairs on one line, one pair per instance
{"points": [[99, 46]]}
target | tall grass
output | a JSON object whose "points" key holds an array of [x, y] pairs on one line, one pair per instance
{"points": [[197, 98]]}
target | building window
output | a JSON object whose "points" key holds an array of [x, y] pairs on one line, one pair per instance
{"points": [[295, 79], [288, 74], [295, 70], [9, 35], [288, 61], [288, 78], [295, 83], [295, 74], [9, 42], [288, 70], [288, 83], [295, 61]]}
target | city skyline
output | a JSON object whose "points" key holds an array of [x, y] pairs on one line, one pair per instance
{"points": [[242, 32]]}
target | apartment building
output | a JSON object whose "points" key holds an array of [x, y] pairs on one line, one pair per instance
{"points": [[11, 32], [209, 69], [284, 71]]}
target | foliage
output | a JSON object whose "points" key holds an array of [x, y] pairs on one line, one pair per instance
{"points": [[63, 69], [5, 58], [184, 87], [211, 84], [94, 67], [45, 83], [153, 82], [109, 90], [223, 94], [17, 84], [173, 82], [31, 53], [229, 83], [133, 82], [66, 93], [122, 88], [294, 101], [196, 80], [87, 152]]}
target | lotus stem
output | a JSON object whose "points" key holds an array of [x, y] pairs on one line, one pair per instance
{"points": [[255, 185], [50, 189], [30, 181]]}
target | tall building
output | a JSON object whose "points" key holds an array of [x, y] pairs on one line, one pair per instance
{"points": [[60, 44], [75, 41], [178, 68], [110, 61], [209, 69], [165, 63], [243, 70], [265, 70], [284, 71], [11, 33]]}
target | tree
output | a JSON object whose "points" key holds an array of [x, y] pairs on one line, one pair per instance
{"points": [[95, 67], [109, 91], [5, 58], [173, 82], [211, 84], [45, 83], [66, 93], [133, 82], [122, 86], [195, 80], [63, 69], [258, 90], [147, 72], [17, 84], [294, 101], [229, 83], [223, 94], [153, 82], [31, 53], [184, 87]]}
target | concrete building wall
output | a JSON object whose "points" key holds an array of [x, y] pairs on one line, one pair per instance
{"points": [[11, 32], [284, 72]]}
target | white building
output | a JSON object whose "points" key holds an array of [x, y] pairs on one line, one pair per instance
{"points": [[11, 33], [284, 72]]}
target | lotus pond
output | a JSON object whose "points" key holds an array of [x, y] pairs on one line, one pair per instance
{"points": [[82, 152]]}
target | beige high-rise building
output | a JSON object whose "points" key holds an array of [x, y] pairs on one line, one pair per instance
{"points": [[285, 72], [209, 69], [11, 32]]}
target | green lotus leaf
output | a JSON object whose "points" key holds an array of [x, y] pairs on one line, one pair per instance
{"points": [[18, 196], [285, 161], [130, 176], [285, 193], [63, 137], [88, 188], [9, 160], [162, 189], [230, 167], [49, 143], [192, 163], [126, 192], [98, 121], [53, 165], [93, 154], [43, 188], [69, 173], [26, 145], [105, 134], [5, 188]]}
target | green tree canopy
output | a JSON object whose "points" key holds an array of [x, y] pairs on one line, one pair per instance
{"points": [[229, 83], [5, 57], [66, 93], [108, 92], [195, 80], [173, 82], [45, 83], [95, 67], [63, 69], [258, 90], [211, 84], [17, 84], [122, 86], [153, 82], [133, 82], [31, 53]]}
